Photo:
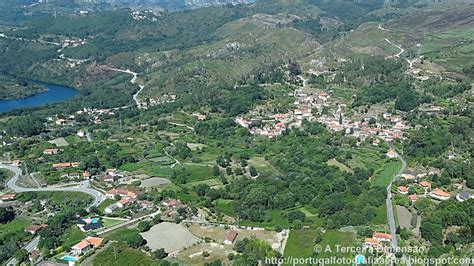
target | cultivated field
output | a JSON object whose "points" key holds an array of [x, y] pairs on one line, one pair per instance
{"points": [[154, 181], [60, 142]]}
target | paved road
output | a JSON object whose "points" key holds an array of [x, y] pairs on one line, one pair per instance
{"points": [[390, 215], [32, 245], [80, 187], [133, 81], [152, 215]]}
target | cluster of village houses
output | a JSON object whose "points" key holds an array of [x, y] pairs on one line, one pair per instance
{"points": [[166, 98], [70, 120], [305, 106], [417, 180], [378, 242]]}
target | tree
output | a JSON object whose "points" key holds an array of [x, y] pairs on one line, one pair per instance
{"points": [[295, 215], [160, 254], [133, 239], [253, 171], [21, 255], [157, 219], [6, 215], [143, 226], [215, 170], [318, 237]]}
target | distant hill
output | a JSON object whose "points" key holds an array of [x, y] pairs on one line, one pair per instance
{"points": [[169, 4]]}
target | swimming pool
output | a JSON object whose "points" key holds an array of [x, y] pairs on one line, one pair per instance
{"points": [[94, 220], [70, 258]]}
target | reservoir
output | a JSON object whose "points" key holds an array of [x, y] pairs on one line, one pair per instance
{"points": [[55, 94]]}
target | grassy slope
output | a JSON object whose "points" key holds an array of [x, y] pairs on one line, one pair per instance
{"points": [[301, 243], [385, 173], [119, 254], [17, 225]]}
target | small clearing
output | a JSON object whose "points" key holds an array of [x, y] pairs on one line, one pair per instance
{"points": [[170, 236]]}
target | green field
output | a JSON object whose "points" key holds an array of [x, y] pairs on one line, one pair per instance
{"points": [[106, 223], [71, 236], [341, 166], [159, 171], [275, 218], [332, 238], [194, 172], [300, 244], [384, 174], [105, 204], [225, 206], [16, 226], [380, 215], [120, 254], [130, 167]]}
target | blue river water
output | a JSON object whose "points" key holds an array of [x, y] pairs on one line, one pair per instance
{"points": [[55, 94]]}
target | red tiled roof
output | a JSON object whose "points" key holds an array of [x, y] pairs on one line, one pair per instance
{"points": [[382, 235], [425, 184], [82, 245], [35, 227], [441, 193], [94, 241], [230, 235], [372, 241], [402, 189]]}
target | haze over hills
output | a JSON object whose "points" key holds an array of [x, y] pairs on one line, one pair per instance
{"points": [[228, 134]]}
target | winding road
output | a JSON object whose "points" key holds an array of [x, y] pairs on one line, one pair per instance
{"points": [[82, 187], [133, 81]]}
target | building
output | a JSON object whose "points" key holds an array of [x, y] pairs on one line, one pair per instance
{"points": [[35, 228], [392, 154], [81, 248], [85, 245], [463, 196], [89, 224], [412, 198], [402, 190], [408, 177], [230, 237], [86, 175], [426, 185], [124, 194], [173, 203], [109, 178], [123, 202], [439, 194], [111, 208], [111, 172], [74, 175], [50, 151], [146, 204], [371, 242], [7, 197], [382, 237], [58, 166]]}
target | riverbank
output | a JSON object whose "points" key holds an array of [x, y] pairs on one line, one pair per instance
{"points": [[52, 93], [11, 89]]}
